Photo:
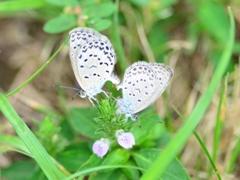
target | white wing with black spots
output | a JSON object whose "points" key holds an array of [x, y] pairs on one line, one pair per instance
{"points": [[142, 85], [139, 84], [93, 58]]}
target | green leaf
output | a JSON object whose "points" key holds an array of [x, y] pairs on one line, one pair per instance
{"points": [[48, 135], [99, 24], [157, 131], [104, 9], [60, 24], [145, 157], [214, 57], [166, 136], [74, 156], [129, 172], [140, 2], [116, 157], [39, 175], [21, 170], [13, 141], [116, 174], [21, 5], [63, 3], [214, 20], [29, 139], [158, 38], [93, 161], [144, 132], [82, 120], [66, 130], [193, 34], [87, 3]]}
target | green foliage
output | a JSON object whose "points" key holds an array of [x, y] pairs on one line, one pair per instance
{"points": [[18, 171], [63, 3], [62, 148], [196, 114], [33, 145], [145, 157], [83, 122], [140, 2], [74, 155], [214, 20], [49, 135], [102, 10], [60, 24], [95, 14], [78, 156], [131, 173], [13, 6], [116, 157]]}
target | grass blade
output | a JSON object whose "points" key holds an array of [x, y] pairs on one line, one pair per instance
{"points": [[175, 146], [37, 72], [29, 139]]}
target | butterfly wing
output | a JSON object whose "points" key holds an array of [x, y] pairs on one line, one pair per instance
{"points": [[164, 75], [95, 65], [138, 86], [92, 58], [77, 38]]}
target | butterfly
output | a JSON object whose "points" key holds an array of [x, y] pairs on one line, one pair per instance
{"points": [[92, 58], [143, 83]]}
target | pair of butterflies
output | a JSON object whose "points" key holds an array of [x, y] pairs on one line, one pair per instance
{"points": [[93, 58]]}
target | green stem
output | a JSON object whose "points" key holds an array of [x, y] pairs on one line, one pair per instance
{"points": [[177, 143], [208, 155], [117, 40], [38, 71]]}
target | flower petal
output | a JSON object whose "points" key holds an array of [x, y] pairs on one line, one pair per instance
{"points": [[100, 147], [126, 140]]}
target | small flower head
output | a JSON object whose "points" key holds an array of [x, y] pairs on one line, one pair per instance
{"points": [[100, 147], [125, 139]]}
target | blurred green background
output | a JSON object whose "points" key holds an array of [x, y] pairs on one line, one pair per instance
{"points": [[189, 36]]}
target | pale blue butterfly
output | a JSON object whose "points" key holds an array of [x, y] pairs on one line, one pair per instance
{"points": [[92, 58], [142, 85]]}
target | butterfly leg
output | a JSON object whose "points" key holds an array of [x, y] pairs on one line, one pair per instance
{"points": [[126, 119], [82, 93], [105, 93], [134, 117], [93, 98]]}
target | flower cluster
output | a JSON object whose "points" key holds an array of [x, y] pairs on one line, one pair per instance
{"points": [[124, 139]]}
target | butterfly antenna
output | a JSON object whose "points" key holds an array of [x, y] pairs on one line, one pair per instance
{"points": [[152, 119], [66, 87], [114, 98], [139, 123], [106, 93], [93, 98], [77, 94], [135, 117]]}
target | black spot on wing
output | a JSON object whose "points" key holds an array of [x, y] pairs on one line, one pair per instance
{"points": [[93, 66]]}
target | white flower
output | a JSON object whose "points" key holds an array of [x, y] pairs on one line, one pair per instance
{"points": [[100, 147], [125, 139]]}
